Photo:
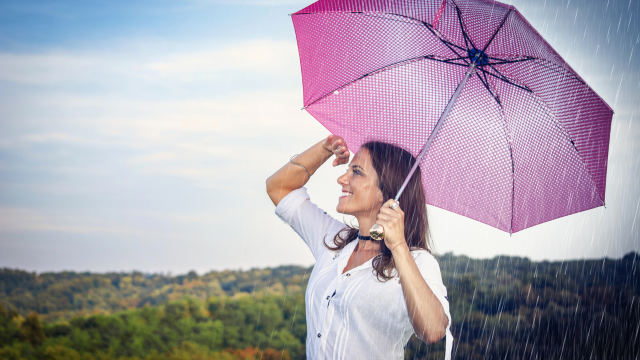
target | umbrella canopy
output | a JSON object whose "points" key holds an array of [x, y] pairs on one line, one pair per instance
{"points": [[525, 142]]}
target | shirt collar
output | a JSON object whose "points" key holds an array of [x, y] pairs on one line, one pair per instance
{"points": [[344, 256]]}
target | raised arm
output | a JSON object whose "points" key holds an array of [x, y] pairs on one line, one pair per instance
{"points": [[426, 313], [291, 177]]}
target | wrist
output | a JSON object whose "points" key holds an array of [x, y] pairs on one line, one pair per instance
{"points": [[401, 247]]}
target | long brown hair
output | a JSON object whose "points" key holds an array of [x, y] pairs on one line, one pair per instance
{"points": [[392, 164]]}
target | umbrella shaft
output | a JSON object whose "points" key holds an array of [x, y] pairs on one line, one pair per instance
{"points": [[470, 71]]}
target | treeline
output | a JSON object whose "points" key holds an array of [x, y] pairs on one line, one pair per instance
{"points": [[502, 308], [62, 295]]}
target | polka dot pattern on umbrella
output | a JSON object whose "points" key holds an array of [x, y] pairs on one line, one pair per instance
{"points": [[527, 139]]}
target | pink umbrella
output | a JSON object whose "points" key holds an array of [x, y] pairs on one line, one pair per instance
{"points": [[504, 130]]}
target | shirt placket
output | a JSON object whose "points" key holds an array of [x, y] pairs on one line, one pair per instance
{"points": [[327, 310]]}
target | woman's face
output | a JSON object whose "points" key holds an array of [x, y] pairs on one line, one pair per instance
{"points": [[360, 192]]}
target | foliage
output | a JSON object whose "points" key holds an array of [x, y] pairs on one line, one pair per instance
{"points": [[63, 295], [505, 307], [183, 329]]}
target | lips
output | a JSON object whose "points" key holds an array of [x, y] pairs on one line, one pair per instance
{"points": [[346, 193]]}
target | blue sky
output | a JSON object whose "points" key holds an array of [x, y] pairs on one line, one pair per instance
{"points": [[138, 135]]}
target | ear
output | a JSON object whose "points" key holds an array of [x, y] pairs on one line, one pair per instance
{"points": [[381, 199]]}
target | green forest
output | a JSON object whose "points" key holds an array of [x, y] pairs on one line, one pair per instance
{"points": [[502, 308]]}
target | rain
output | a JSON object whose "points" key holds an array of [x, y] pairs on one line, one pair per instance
{"points": [[135, 141]]}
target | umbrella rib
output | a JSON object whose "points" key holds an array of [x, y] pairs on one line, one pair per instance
{"points": [[464, 33], [549, 113], [384, 18], [485, 82], [510, 61], [447, 43], [381, 69], [384, 68], [565, 72], [454, 45], [449, 62], [503, 78], [507, 137], [430, 27], [542, 62], [496, 32]]}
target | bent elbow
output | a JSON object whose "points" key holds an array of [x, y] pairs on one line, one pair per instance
{"points": [[435, 336], [269, 185]]}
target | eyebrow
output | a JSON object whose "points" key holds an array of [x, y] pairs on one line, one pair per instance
{"points": [[353, 166]]}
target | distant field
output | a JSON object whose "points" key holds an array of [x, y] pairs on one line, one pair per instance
{"points": [[506, 307]]}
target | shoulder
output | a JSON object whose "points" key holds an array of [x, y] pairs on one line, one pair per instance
{"points": [[292, 200], [426, 262], [423, 255], [297, 204]]}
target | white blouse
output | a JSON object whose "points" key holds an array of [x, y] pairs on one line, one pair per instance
{"points": [[353, 315]]}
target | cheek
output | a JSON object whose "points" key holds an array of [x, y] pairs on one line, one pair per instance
{"points": [[369, 194]]}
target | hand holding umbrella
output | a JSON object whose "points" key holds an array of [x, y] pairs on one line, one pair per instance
{"points": [[389, 225]]}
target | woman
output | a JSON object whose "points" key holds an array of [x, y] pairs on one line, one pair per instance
{"points": [[365, 298]]}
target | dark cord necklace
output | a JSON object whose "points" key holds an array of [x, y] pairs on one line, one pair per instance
{"points": [[364, 237]]}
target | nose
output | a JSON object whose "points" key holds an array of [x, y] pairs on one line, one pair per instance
{"points": [[343, 179]]}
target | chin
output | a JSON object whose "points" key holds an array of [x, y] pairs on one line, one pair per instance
{"points": [[341, 208]]}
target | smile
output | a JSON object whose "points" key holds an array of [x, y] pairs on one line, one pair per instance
{"points": [[346, 193]]}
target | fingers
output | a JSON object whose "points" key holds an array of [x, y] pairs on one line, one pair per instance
{"points": [[390, 212], [385, 218], [389, 215], [339, 148], [389, 205]]}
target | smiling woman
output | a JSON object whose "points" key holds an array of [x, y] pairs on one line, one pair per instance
{"points": [[365, 298]]}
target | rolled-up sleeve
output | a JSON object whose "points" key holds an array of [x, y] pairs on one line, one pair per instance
{"points": [[430, 270], [308, 220]]}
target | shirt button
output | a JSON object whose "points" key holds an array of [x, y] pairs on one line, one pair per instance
{"points": [[319, 335], [348, 274], [328, 297]]}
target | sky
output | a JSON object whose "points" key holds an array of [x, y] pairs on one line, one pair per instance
{"points": [[138, 135]]}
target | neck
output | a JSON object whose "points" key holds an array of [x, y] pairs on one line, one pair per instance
{"points": [[365, 222]]}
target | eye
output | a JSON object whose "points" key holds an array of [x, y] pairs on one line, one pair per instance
{"points": [[357, 172]]}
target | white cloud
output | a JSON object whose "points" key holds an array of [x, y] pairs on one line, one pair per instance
{"points": [[154, 158], [24, 219], [194, 62], [263, 56]]}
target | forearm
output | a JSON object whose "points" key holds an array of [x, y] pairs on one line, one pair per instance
{"points": [[291, 176], [425, 310]]}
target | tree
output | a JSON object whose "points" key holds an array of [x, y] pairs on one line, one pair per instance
{"points": [[32, 329]]}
